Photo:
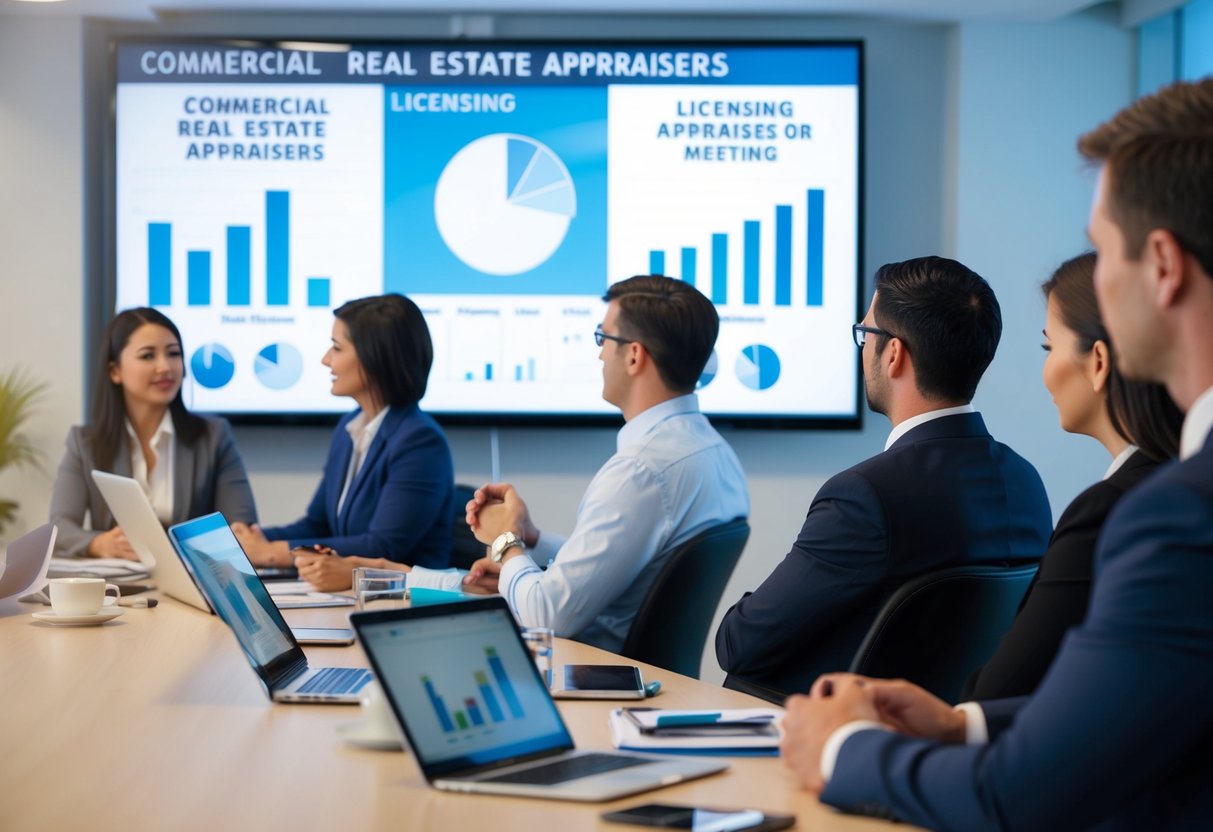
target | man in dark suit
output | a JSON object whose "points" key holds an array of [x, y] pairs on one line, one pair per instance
{"points": [[942, 493], [1120, 732]]}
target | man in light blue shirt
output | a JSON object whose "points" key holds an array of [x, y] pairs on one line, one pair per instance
{"points": [[672, 477]]}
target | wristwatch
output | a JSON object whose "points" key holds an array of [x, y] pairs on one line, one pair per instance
{"points": [[503, 543]]}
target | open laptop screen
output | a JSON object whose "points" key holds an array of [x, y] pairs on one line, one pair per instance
{"points": [[462, 684], [223, 572]]}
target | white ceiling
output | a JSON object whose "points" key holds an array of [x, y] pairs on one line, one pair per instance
{"points": [[926, 10]]}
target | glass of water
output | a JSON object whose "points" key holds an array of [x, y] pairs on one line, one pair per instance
{"points": [[539, 642], [379, 589]]}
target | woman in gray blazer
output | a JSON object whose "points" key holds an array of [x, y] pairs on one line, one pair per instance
{"points": [[139, 427]]}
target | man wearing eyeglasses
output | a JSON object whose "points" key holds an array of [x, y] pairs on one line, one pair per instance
{"points": [[672, 477], [942, 493]]}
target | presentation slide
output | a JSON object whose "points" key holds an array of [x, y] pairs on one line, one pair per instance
{"points": [[503, 187]]}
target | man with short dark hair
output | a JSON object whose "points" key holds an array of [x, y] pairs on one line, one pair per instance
{"points": [[1120, 732], [672, 477], [942, 493]]}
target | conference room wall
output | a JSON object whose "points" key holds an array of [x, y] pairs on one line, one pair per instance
{"points": [[969, 152]]}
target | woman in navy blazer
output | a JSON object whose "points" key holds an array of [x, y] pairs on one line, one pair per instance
{"points": [[1136, 422], [389, 485]]}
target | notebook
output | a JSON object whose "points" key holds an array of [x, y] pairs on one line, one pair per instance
{"points": [[26, 561], [471, 704], [211, 553]]}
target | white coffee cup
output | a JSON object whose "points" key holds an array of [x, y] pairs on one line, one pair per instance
{"points": [[81, 596], [376, 712]]}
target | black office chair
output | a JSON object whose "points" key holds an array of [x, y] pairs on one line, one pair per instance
{"points": [[939, 627], [672, 624], [465, 548]]}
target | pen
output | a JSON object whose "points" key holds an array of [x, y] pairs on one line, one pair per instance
{"points": [[707, 718], [138, 603]]}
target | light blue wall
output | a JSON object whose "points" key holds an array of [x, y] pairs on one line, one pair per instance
{"points": [[1026, 93], [1197, 49]]}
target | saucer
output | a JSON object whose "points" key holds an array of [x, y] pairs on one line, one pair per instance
{"points": [[357, 733], [99, 617]]}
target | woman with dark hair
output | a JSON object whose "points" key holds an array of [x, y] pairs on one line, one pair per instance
{"points": [[139, 427], [1139, 426], [388, 488]]}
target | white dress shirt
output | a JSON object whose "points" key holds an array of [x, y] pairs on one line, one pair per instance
{"points": [[362, 433], [922, 418], [1197, 425], [159, 485], [672, 477]]}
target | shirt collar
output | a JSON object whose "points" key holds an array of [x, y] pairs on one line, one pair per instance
{"points": [[1121, 459], [165, 428], [361, 428], [1197, 425], [922, 418], [642, 423]]}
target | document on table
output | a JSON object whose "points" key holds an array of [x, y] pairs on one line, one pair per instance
{"points": [[296, 594]]}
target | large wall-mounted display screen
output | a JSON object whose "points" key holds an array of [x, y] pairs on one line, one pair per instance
{"points": [[503, 187]]}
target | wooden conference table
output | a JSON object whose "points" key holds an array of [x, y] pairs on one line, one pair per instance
{"points": [[155, 721]]}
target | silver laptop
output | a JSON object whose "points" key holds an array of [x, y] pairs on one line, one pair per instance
{"points": [[142, 528], [479, 718], [223, 573]]}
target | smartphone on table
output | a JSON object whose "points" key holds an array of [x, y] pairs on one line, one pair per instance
{"points": [[601, 681], [699, 819]]}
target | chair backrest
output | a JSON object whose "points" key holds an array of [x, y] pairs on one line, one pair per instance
{"points": [[939, 627], [672, 624], [465, 548]]}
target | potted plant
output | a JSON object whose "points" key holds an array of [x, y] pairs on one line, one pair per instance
{"points": [[18, 395]]}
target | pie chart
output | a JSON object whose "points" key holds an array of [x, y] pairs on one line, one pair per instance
{"points": [[758, 367], [503, 204], [709, 371], [212, 365], [278, 366]]}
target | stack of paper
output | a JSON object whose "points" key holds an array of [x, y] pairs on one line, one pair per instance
{"points": [[735, 731], [108, 568]]}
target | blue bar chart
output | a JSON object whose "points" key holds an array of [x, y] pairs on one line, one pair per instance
{"points": [[238, 257], [471, 714], [813, 226]]}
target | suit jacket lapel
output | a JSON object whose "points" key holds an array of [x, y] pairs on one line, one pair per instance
{"points": [[373, 453], [340, 463], [183, 479]]}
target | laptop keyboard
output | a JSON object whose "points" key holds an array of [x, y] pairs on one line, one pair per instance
{"points": [[570, 769], [335, 680]]}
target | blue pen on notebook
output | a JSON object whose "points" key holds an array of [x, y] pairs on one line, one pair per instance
{"points": [[672, 720]]}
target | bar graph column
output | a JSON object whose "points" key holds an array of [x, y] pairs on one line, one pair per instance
{"points": [[490, 698], [277, 247], [688, 265], [318, 291], [503, 682], [720, 268], [159, 264], [238, 265], [473, 711], [752, 261], [816, 247], [198, 278], [444, 719], [783, 255]]}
